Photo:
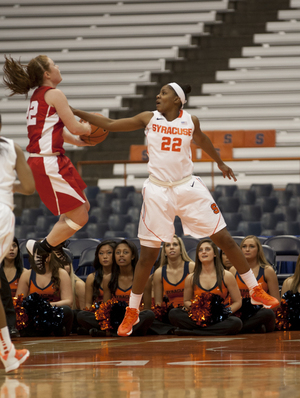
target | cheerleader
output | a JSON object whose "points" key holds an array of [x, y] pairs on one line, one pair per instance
{"points": [[212, 281], [256, 318], [118, 286], [55, 287], [94, 285], [172, 189], [168, 281]]}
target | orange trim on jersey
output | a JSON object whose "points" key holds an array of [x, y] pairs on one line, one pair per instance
{"points": [[174, 291], [199, 290], [49, 293], [123, 295]]}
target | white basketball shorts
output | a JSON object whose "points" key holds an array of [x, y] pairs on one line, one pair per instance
{"points": [[7, 230], [191, 201]]}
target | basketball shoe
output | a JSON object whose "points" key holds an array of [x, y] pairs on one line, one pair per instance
{"points": [[260, 297], [14, 358], [131, 318], [39, 256], [62, 256]]}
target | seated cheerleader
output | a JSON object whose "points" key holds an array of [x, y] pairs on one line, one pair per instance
{"points": [[13, 266], [288, 314], [256, 318], [117, 289], [168, 283], [94, 285], [225, 261], [53, 287], [206, 297]]}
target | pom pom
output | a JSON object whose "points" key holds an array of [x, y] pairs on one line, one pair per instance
{"points": [[42, 316], [161, 311], [94, 307], [208, 309], [21, 315], [247, 310], [288, 314], [103, 314]]}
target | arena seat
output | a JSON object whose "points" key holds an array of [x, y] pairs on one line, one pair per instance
{"points": [[76, 246], [266, 203], [245, 196], [120, 206], [250, 227], [100, 213], [228, 204], [96, 230], [226, 190], [262, 189], [189, 242], [283, 197], [122, 192], [288, 227], [250, 213], [270, 220], [117, 222], [131, 229], [85, 264], [287, 250], [289, 213], [294, 188]]}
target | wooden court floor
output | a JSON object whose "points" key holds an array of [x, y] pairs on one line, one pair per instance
{"points": [[243, 366]]}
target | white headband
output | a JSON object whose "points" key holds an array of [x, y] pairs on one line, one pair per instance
{"points": [[178, 90]]}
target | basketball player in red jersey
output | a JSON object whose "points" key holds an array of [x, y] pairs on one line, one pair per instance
{"points": [[172, 190], [57, 181]]}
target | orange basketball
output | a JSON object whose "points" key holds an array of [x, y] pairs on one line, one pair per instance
{"points": [[97, 135]]}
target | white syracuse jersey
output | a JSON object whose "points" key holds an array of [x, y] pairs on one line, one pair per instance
{"points": [[169, 146]]}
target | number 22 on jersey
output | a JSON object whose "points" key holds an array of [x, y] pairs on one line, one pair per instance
{"points": [[169, 144]]}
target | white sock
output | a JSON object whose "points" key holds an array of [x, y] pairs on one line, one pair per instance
{"points": [[5, 341], [135, 300], [249, 279]]}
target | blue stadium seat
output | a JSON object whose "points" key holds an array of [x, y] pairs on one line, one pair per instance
{"points": [[192, 253], [120, 235], [295, 202], [232, 220], [289, 213], [267, 203], [96, 230], [294, 188], [117, 222], [123, 191], [76, 246], [262, 189], [226, 190], [136, 199], [134, 213], [43, 223], [283, 197], [85, 264], [101, 214], [120, 206], [104, 199], [245, 196], [190, 242], [91, 192], [131, 229], [21, 231], [250, 213], [29, 216], [270, 255], [228, 204], [288, 227], [287, 249], [270, 220], [250, 227]]}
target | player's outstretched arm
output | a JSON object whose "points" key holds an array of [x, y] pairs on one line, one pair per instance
{"points": [[203, 141], [74, 139], [128, 124], [26, 184]]}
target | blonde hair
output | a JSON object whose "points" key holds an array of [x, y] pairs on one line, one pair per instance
{"points": [[184, 255], [296, 277], [261, 259]]}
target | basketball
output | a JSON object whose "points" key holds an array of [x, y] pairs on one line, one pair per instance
{"points": [[97, 135]]}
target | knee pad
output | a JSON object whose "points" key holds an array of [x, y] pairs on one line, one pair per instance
{"points": [[72, 224]]}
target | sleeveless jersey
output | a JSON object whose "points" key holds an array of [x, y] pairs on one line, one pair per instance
{"points": [[260, 279], [44, 126], [13, 284], [174, 291], [169, 146], [123, 295], [198, 290], [48, 293], [8, 159]]}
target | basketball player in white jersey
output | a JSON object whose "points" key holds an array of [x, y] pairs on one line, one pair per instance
{"points": [[172, 190], [12, 161]]}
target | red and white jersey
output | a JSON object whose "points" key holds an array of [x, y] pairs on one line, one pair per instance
{"points": [[169, 146], [44, 126], [8, 159]]}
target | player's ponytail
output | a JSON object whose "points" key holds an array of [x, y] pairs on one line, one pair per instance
{"points": [[21, 78]]}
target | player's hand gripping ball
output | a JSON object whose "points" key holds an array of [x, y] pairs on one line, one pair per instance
{"points": [[97, 135]]}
